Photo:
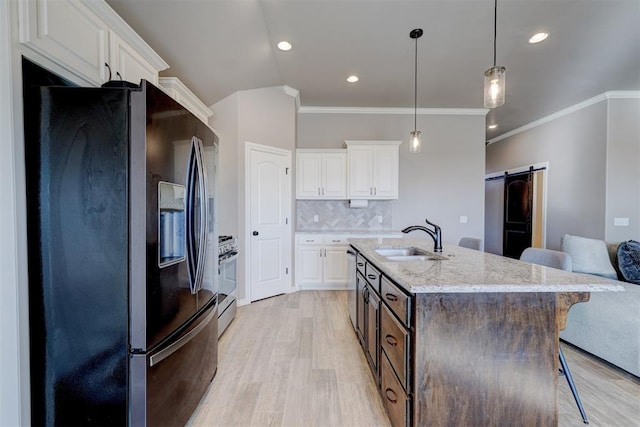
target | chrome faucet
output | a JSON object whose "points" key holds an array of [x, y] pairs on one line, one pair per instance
{"points": [[436, 234]]}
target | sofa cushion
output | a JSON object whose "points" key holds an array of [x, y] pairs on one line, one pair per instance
{"points": [[588, 256], [629, 261]]}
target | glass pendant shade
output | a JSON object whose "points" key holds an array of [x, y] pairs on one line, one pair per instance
{"points": [[415, 141], [494, 87]]}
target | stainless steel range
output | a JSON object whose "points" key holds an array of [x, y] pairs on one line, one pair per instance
{"points": [[227, 294]]}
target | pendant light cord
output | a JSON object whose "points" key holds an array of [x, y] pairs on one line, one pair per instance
{"points": [[415, 92], [495, 29]]}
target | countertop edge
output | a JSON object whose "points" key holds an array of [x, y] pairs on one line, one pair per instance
{"points": [[586, 283]]}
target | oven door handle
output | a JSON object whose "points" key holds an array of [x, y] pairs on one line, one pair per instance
{"points": [[228, 260]]}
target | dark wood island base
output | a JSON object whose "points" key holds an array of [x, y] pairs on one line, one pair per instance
{"points": [[486, 359], [467, 341]]}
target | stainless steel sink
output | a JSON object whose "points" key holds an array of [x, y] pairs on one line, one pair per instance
{"points": [[400, 252], [409, 254], [407, 258]]}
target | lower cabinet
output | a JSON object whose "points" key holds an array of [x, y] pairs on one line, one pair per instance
{"points": [[361, 303], [383, 330], [321, 261], [394, 397], [373, 331]]}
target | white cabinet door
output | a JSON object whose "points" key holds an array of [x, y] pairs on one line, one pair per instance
{"points": [[321, 174], [128, 64], [309, 264], [308, 174], [360, 172], [335, 264], [373, 169], [69, 33], [334, 176], [385, 172]]}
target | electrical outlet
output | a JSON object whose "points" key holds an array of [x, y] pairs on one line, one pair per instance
{"points": [[316, 218], [463, 220], [621, 222]]}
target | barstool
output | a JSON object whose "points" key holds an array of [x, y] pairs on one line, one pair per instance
{"points": [[562, 261]]}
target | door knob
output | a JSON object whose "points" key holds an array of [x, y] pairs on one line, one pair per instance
{"points": [[255, 233]]}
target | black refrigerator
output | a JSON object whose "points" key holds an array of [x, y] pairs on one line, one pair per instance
{"points": [[122, 246]]}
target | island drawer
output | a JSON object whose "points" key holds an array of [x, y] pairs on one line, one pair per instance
{"points": [[393, 396], [397, 300], [373, 277], [360, 264], [394, 339]]}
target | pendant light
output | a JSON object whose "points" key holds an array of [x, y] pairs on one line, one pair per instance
{"points": [[415, 141], [494, 77]]}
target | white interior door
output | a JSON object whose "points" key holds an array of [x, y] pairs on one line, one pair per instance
{"points": [[269, 212]]}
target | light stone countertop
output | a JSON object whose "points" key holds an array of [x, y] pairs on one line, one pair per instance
{"points": [[468, 270], [353, 232]]}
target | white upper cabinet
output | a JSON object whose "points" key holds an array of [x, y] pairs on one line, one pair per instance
{"points": [[69, 33], [373, 168], [128, 63], [87, 38], [321, 174]]}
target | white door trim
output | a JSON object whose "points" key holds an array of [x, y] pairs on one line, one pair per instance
{"points": [[11, 357], [250, 146]]}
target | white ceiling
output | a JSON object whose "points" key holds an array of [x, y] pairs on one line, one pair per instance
{"points": [[217, 47]]}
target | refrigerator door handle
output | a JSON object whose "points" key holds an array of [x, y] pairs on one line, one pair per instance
{"points": [[204, 213], [190, 205], [163, 354]]}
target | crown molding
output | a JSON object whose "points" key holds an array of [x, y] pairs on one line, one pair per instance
{"points": [[618, 94], [174, 85], [402, 111], [623, 94], [295, 93]]}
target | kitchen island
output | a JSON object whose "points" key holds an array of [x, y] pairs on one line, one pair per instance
{"points": [[462, 337]]}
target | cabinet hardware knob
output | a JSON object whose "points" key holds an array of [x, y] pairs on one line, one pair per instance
{"points": [[391, 297], [391, 395], [391, 340], [372, 276], [255, 233], [360, 264]]}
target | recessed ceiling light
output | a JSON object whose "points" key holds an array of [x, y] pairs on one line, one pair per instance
{"points": [[352, 79], [493, 126], [537, 38], [284, 45]]}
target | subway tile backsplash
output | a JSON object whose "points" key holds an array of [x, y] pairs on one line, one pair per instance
{"points": [[336, 215]]}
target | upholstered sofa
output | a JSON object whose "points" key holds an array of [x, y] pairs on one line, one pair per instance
{"points": [[608, 325]]}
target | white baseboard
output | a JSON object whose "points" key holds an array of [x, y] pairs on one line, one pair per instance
{"points": [[323, 287], [243, 301]]}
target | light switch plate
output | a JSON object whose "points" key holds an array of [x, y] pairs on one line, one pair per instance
{"points": [[380, 219], [463, 219], [316, 218], [621, 222]]}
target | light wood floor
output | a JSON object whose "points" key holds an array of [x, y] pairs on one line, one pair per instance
{"points": [[294, 360]]}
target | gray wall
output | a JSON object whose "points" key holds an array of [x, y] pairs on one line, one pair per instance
{"points": [[584, 154], [442, 183], [265, 116], [623, 169], [225, 123]]}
